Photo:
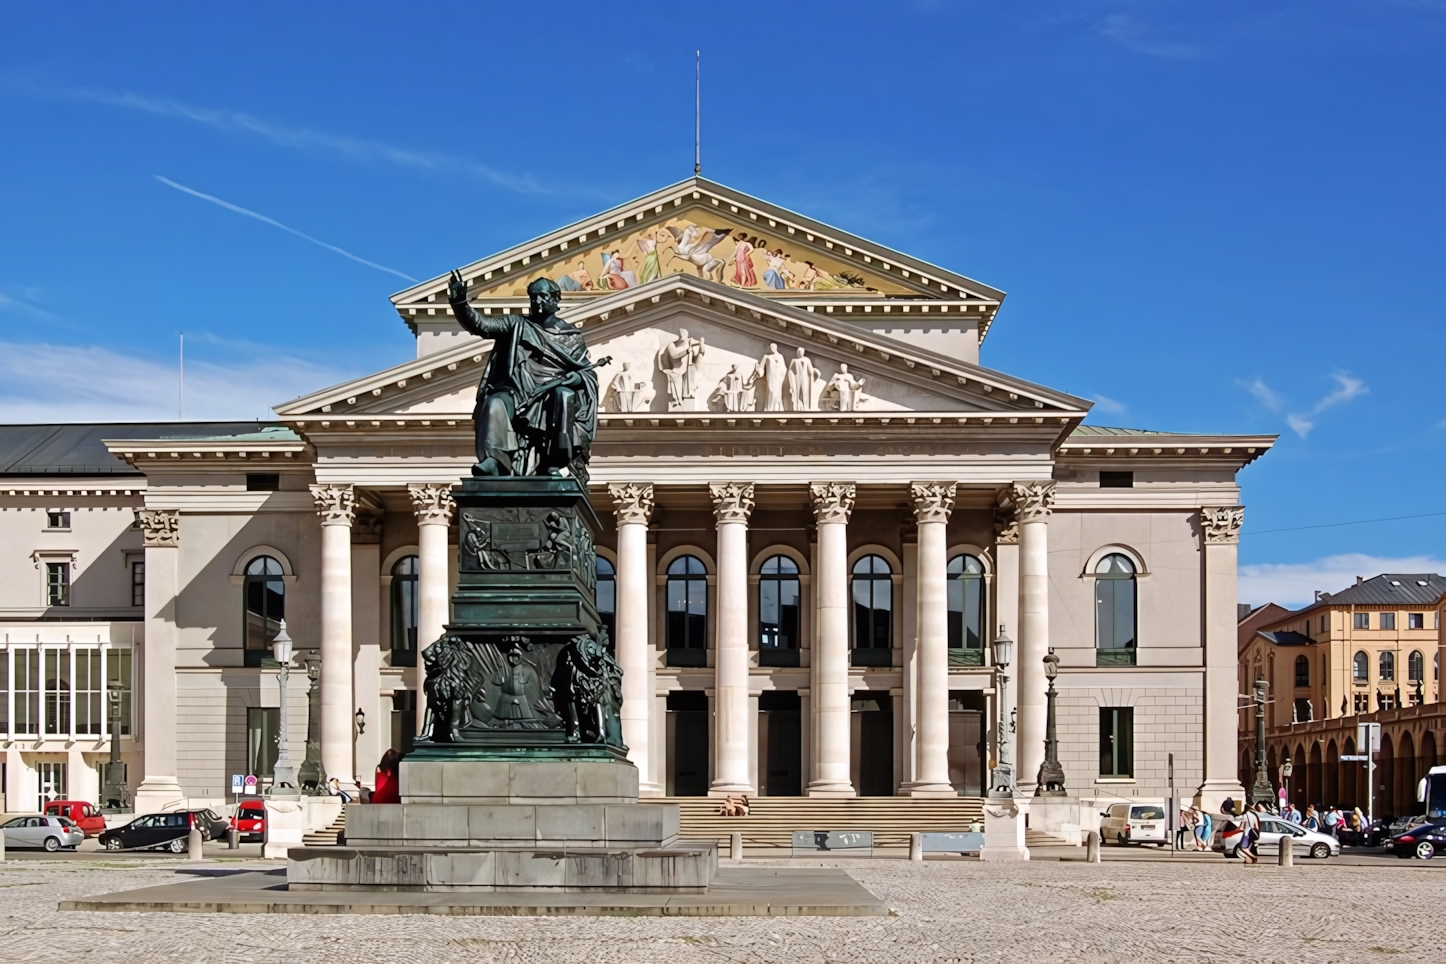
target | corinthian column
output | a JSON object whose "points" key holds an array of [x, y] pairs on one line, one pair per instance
{"points": [[932, 504], [1032, 502], [832, 503], [633, 503], [336, 504], [732, 503], [433, 505], [1220, 533], [159, 784]]}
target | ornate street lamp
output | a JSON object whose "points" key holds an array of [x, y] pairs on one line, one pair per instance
{"points": [[1002, 784], [284, 773], [1286, 769], [113, 792], [1050, 782], [361, 722], [1261, 791]]}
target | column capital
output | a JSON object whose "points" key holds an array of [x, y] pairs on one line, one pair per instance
{"points": [[335, 503], [832, 501], [732, 501], [1031, 501], [632, 501], [933, 501], [1006, 524], [1221, 524], [160, 528], [432, 502]]}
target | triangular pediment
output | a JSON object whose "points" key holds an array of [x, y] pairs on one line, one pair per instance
{"points": [[705, 230], [642, 327]]}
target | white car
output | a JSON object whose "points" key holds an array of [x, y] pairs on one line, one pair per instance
{"points": [[52, 833], [1134, 823], [1305, 843]]}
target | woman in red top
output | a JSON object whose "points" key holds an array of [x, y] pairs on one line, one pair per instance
{"points": [[387, 790]]}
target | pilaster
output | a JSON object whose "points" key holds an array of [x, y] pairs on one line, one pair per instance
{"points": [[1220, 545], [160, 785]]}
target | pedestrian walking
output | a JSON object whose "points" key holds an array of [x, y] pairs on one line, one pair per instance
{"points": [[1250, 830], [1312, 819], [1204, 828], [1186, 826]]}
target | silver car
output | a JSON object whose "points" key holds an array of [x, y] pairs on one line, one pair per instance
{"points": [[52, 833], [1304, 843]]}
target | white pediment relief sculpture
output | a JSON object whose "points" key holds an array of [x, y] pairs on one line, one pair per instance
{"points": [[626, 392], [803, 380], [678, 361], [843, 393]]}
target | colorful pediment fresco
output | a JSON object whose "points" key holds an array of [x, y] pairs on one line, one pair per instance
{"points": [[698, 242]]}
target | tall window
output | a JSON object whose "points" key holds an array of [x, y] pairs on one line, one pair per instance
{"points": [[57, 691], [1117, 741], [779, 595], [404, 611], [1360, 620], [966, 611], [1388, 620], [118, 680], [1361, 667], [1115, 611], [138, 583], [1416, 666], [265, 595], [1302, 671], [88, 708], [687, 629], [606, 597], [1302, 710], [262, 723], [25, 678], [57, 584], [1388, 665], [873, 623]]}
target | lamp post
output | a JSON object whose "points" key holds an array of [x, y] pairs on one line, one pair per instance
{"points": [[361, 727], [1002, 785], [113, 793], [1260, 790], [1286, 769], [1050, 782], [284, 773]]}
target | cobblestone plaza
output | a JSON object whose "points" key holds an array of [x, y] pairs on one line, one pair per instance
{"points": [[1202, 909]]}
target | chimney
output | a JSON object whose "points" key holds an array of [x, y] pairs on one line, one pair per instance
{"points": [[1359, 580], [1242, 610]]}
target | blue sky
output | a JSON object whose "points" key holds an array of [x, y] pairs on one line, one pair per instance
{"points": [[1209, 217]]}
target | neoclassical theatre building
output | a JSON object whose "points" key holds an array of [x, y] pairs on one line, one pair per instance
{"points": [[819, 511]]}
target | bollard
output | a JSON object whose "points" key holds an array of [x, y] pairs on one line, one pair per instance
{"points": [[735, 847], [1287, 848], [1092, 847], [916, 846], [233, 839], [193, 844]]}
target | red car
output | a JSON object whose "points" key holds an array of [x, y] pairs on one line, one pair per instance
{"points": [[83, 815], [249, 820]]}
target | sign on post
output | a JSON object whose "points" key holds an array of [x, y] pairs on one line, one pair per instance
{"points": [[1368, 737], [250, 783]]}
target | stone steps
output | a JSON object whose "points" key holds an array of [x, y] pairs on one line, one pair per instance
{"points": [[328, 837], [771, 821]]}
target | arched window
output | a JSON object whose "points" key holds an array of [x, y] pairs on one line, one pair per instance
{"points": [[404, 611], [966, 611], [264, 593], [1416, 666], [605, 596], [687, 630], [779, 597], [873, 623], [1302, 671], [1361, 668], [1388, 665], [1115, 611]]}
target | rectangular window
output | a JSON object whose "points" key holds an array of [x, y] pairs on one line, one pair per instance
{"points": [[4, 693], [1117, 741], [1360, 620], [57, 519], [1415, 620], [1323, 623], [118, 680], [57, 692], [1362, 703], [26, 680], [263, 481], [88, 708], [1302, 710], [261, 747], [1388, 620], [57, 584], [1117, 480], [138, 583]]}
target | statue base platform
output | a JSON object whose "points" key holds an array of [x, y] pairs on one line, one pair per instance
{"points": [[1003, 830], [468, 775], [1059, 817]]}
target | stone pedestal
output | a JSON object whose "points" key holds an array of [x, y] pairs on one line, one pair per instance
{"points": [[1003, 830], [285, 825], [1058, 817]]}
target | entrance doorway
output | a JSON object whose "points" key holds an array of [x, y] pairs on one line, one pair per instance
{"points": [[52, 783], [262, 723], [688, 746], [780, 744], [873, 726], [966, 742]]}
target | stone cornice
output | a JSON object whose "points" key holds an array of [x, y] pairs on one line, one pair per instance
{"points": [[160, 528], [732, 501], [933, 501], [1221, 524], [432, 503], [632, 501], [832, 501], [335, 503]]}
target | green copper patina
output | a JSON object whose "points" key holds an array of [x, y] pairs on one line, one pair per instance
{"points": [[526, 670]]}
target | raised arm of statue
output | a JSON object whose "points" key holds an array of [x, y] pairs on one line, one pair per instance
{"points": [[483, 326]]}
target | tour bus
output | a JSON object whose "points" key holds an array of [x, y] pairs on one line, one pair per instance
{"points": [[1432, 792]]}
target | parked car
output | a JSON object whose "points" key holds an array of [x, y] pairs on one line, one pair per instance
{"points": [[1134, 823], [249, 820], [1307, 843], [1372, 835], [1424, 841], [83, 815], [164, 831], [51, 832]]}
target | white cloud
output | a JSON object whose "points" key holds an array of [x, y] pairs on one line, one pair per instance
{"points": [[1106, 404], [1140, 37], [1263, 394], [21, 306], [1295, 584], [69, 383], [1348, 387]]}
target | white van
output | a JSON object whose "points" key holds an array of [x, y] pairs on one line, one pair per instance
{"points": [[1135, 823]]}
